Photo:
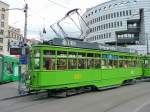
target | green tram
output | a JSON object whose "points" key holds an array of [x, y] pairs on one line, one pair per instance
{"points": [[9, 68], [62, 68]]}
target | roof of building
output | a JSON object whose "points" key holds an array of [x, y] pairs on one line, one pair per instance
{"points": [[109, 1], [4, 3]]}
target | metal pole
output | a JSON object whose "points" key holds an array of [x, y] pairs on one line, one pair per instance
{"points": [[25, 25], [23, 67]]}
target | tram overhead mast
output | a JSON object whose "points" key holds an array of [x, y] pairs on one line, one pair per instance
{"points": [[68, 15]]}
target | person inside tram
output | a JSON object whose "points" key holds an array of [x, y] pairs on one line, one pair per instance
{"points": [[97, 64], [62, 64], [110, 64], [48, 63], [125, 65]]}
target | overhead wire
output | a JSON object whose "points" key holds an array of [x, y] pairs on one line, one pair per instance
{"points": [[58, 4]]}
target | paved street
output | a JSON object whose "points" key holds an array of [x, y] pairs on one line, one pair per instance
{"points": [[134, 98]]}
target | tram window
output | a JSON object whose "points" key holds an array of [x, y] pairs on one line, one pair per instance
{"points": [[132, 63], [37, 53], [72, 55], [49, 52], [115, 63], [126, 64], [90, 63], [61, 64], [139, 63], [81, 63], [36, 63], [110, 64], [72, 63], [98, 55], [104, 64], [90, 54], [121, 63], [97, 63], [121, 57], [145, 63], [9, 69], [105, 56], [49, 64], [115, 58], [61, 54], [81, 55]]}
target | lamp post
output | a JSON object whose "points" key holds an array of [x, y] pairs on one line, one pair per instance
{"points": [[23, 67]]}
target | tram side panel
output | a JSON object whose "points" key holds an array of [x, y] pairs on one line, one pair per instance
{"points": [[62, 79]]}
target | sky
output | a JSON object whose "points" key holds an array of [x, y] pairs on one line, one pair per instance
{"points": [[43, 13]]}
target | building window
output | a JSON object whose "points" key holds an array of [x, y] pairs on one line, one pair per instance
{"points": [[114, 15], [104, 17], [1, 32], [111, 15], [124, 13], [99, 9], [1, 40], [112, 25], [101, 18], [120, 14], [109, 35], [109, 25], [109, 6], [108, 16], [127, 12], [2, 24], [1, 48], [120, 23], [115, 24], [117, 14], [2, 16], [130, 12]]}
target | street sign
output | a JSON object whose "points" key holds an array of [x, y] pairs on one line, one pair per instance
{"points": [[23, 59]]}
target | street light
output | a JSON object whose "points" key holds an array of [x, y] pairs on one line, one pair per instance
{"points": [[23, 47]]}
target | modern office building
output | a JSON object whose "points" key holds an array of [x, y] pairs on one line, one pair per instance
{"points": [[3, 26], [118, 22]]}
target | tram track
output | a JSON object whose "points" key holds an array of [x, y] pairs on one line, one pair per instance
{"points": [[96, 100], [35, 94]]}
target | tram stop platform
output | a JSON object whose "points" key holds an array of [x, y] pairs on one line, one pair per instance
{"points": [[8, 90]]}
